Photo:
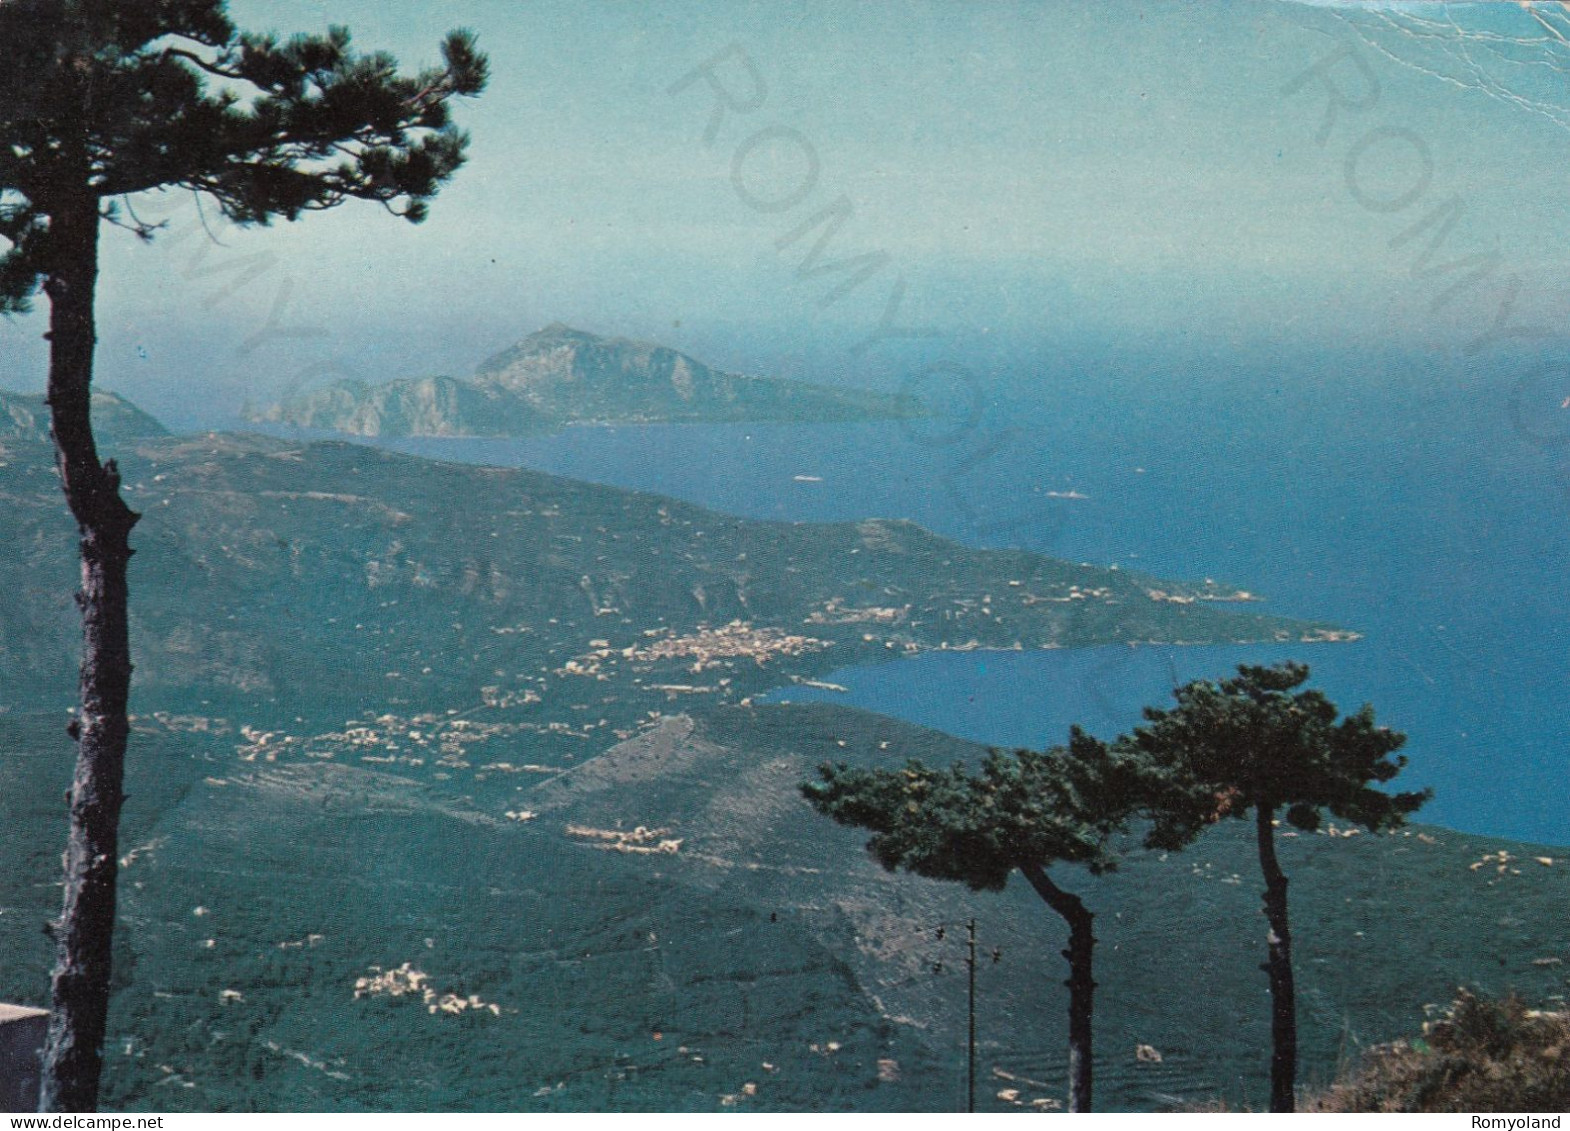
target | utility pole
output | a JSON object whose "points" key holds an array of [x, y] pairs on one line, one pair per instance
{"points": [[970, 1032], [970, 1090]]}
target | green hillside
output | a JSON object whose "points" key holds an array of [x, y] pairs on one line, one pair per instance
{"points": [[763, 948], [325, 579]]}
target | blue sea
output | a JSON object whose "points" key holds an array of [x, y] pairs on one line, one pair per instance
{"points": [[1421, 506]]}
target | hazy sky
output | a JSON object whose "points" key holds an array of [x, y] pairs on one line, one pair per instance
{"points": [[1029, 170]]}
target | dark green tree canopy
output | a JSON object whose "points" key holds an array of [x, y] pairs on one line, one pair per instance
{"points": [[115, 97], [1025, 808], [1253, 741]]}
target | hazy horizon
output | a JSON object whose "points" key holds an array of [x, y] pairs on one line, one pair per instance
{"points": [[1038, 175]]}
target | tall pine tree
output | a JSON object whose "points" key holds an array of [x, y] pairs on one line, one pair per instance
{"points": [[101, 100], [1025, 810], [1252, 745]]}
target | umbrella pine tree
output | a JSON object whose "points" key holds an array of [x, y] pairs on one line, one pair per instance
{"points": [[101, 100]]}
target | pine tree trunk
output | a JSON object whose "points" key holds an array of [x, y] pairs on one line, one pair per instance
{"points": [[73, 1055], [1081, 985], [1283, 999]]}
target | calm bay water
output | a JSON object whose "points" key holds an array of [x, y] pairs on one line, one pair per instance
{"points": [[1417, 516]]}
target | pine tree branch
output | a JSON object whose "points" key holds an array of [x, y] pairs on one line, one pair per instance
{"points": [[197, 61]]}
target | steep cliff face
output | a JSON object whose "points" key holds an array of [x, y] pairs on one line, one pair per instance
{"points": [[428, 406], [559, 376]]}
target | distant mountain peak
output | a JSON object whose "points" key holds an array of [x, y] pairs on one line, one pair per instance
{"points": [[544, 342], [557, 333], [562, 375], [559, 330]]}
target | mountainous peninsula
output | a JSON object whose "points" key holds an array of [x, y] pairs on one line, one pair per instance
{"points": [[560, 376], [303, 575]]}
